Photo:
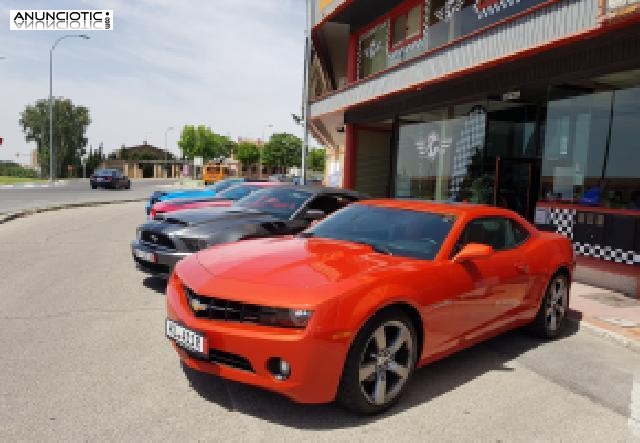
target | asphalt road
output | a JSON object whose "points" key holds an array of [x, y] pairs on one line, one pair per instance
{"points": [[21, 197], [84, 358]]}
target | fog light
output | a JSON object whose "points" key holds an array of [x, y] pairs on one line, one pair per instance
{"points": [[279, 368]]}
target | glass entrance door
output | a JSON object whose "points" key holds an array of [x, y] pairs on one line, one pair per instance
{"points": [[516, 185]]}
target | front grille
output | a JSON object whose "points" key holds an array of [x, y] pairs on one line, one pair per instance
{"points": [[156, 238], [226, 310]]}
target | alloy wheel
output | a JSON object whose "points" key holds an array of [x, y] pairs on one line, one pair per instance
{"points": [[556, 306], [386, 362]]}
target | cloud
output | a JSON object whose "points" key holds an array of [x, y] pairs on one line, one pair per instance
{"points": [[235, 65]]}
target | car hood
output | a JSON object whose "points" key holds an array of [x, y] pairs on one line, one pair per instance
{"points": [[289, 271], [200, 216]]}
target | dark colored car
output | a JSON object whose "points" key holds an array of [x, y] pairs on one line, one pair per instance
{"points": [[281, 210], [109, 178]]}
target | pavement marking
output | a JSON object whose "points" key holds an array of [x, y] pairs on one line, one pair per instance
{"points": [[622, 322], [634, 406]]}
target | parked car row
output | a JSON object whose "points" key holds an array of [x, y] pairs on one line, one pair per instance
{"points": [[320, 294]]}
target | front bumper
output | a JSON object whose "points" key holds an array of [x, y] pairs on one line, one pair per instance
{"points": [[316, 361], [163, 260]]}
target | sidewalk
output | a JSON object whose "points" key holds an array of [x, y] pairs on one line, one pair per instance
{"points": [[607, 313]]}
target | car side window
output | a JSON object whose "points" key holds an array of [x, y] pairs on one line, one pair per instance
{"points": [[498, 232], [329, 203]]}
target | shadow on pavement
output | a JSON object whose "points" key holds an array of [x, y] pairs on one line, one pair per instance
{"points": [[158, 284], [428, 382]]}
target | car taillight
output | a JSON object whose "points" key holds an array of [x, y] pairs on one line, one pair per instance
{"points": [[152, 214]]}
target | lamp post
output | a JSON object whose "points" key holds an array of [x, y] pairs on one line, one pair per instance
{"points": [[166, 150], [51, 150], [262, 147]]}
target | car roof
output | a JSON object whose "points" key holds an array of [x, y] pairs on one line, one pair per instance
{"points": [[450, 208]]}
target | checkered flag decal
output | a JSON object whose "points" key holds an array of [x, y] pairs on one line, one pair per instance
{"points": [[607, 253], [562, 219]]}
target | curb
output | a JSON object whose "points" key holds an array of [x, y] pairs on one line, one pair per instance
{"points": [[4, 218], [620, 339]]}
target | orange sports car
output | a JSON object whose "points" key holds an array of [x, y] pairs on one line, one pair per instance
{"points": [[350, 307]]}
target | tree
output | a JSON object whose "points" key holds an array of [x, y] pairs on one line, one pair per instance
{"points": [[201, 141], [70, 124], [247, 153], [316, 159], [283, 151]]}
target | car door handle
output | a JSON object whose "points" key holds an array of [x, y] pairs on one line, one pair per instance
{"points": [[522, 268]]}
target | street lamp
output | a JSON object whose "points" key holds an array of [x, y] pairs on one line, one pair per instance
{"points": [[51, 150], [262, 147], [166, 150]]}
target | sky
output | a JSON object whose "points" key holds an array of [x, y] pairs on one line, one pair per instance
{"points": [[233, 65]]}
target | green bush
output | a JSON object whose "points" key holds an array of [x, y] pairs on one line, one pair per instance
{"points": [[15, 170]]}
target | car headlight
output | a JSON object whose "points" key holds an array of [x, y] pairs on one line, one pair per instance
{"points": [[285, 318]]}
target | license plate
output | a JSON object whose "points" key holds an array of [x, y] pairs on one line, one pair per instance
{"points": [[185, 337], [100, 179], [144, 255]]}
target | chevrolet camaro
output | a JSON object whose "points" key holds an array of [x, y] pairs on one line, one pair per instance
{"points": [[349, 308]]}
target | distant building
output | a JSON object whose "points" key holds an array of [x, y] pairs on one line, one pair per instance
{"points": [[141, 152], [144, 161]]}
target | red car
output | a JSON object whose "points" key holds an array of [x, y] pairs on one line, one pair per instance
{"points": [[222, 199], [349, 308]]}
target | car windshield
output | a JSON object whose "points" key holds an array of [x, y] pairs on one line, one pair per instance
{"points": [[237, 192], [414, 234], [279, 202], [223, 184]]}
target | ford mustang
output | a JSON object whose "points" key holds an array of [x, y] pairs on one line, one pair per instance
{"points": [[278, 210], [349, 308]]}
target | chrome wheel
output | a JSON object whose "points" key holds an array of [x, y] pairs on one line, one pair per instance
{"points": [[556, 304], [386, 362]]}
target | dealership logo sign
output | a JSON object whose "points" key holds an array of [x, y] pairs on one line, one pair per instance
{"points": [[60, 20], [433, 146]]}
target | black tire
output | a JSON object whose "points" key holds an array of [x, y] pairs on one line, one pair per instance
{"points": [[554, 305], [128, 185], [94, 186], [358, 395]]}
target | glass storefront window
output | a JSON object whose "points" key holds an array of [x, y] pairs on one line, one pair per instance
{"points": [[440, 156], [575, 139], [621, 186]]}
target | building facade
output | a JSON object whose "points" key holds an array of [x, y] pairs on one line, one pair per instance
{"points": [[532, 105]]}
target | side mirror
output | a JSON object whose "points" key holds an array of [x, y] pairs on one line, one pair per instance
{"points": [[473, 251], [314, 215]]}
